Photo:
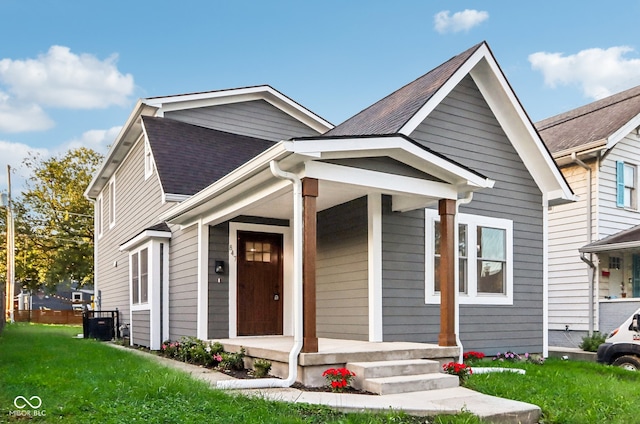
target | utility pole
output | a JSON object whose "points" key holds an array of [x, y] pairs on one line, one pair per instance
{"points": [[10, 252]]}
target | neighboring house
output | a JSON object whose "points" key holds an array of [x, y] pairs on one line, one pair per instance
{"points": [[201, 199], [594, 261]]}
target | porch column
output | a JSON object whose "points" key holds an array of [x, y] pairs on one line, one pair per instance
{"points": [[447, 211], [309, 194]]}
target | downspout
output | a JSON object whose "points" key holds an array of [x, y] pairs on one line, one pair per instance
{"points": [[260, 383], [588, 261], [464, 201]]}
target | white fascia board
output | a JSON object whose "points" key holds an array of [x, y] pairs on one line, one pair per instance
{"points": [[227, 182], [243, 200], [395, 147], [444, 91], [175, 197], [379, 181], [263, 92], [143, 237], [118, 150], [519, 130], [610, 247], [623, 131]]}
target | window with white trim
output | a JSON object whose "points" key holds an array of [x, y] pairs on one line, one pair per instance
{"points": [[112, 203], [148, 161], [140, 276], [626, 180], [485, 259]]}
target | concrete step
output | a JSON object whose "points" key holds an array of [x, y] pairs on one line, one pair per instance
{"points": [[409, 383], [365, 370]]}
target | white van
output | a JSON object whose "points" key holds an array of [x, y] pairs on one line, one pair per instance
{"points": [[622, 347]]}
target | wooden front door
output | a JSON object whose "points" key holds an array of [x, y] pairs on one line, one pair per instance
{"points": [[259, 284]]}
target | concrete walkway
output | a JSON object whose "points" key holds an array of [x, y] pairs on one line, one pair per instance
{"points": [[426, 403]]}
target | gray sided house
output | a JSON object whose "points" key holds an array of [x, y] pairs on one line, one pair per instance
{"points": [[594, 253], [214, 210]]}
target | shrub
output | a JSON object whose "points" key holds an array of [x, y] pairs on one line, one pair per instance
{"points": [[232, 361], [338, 379], [591, 343], [463, 371], [169, 349], [472, 357], [507, 356], [261, 368]]}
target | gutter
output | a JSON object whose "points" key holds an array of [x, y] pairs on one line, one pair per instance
{"points": [[261, 383], [588, 261]]}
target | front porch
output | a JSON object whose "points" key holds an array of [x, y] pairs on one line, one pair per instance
{"points": [[332, 353]]}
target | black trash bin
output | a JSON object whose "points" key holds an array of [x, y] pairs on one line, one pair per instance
{"points": [[100, 328]]}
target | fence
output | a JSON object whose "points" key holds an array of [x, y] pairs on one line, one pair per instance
{"points": [[49, 317]]}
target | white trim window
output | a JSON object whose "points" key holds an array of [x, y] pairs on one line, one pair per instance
{"points": [[485, 259], [112, 203], [626, 196], [148, 161], [139, 276]]}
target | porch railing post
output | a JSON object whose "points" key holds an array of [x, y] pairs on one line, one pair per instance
{"points": [[447, 211], [309, 195]]}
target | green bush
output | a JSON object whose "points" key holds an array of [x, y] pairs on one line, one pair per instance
{"points": [[261, 368], [232, 361], [591, 343]]}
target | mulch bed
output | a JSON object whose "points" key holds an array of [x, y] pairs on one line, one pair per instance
{"points": [[246, 374]]}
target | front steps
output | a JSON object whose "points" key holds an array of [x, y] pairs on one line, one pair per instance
{"points": [[400, 376]]}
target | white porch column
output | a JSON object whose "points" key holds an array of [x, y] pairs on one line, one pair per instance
{"points": [[374, 259], [202, 329]]}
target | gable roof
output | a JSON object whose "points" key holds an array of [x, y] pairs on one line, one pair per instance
{"points": [[157, 106], [404, 110], [188, 158], [600, 124], [390, 114]]}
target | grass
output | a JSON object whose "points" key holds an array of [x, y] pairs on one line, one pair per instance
{"points": [[85, 381], [567, 391]]}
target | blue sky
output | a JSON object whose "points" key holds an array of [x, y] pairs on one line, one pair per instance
{"points": [[71, 71]]}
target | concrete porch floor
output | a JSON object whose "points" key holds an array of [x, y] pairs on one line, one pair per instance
{"points": [[332, 353]]}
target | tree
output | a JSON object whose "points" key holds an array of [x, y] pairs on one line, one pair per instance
{"points": [[54, 221]]}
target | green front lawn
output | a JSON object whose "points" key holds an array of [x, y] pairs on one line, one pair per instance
{"points": [[85, 381]]}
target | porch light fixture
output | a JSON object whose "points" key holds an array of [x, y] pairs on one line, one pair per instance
{"points": [[219, 267]]}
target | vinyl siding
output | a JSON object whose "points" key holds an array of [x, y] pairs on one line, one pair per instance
{"points": [[462, 127], [342, 275], [138, 203], [611, 218], [254, 118], [219, 293], [568, 275], [183, 283], [140, 328]]}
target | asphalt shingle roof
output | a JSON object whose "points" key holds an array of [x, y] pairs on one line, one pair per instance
{"points": [[189, 158], [626, 236], [390, 114], [590, 123]]}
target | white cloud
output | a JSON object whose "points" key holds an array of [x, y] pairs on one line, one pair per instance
{"points": [[13, 154], [15, 117], [60, 78], [459, 21], [98, 140], [598, 72]]}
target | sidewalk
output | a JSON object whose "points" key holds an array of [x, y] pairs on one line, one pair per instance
{"points": [[426, 403]]}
